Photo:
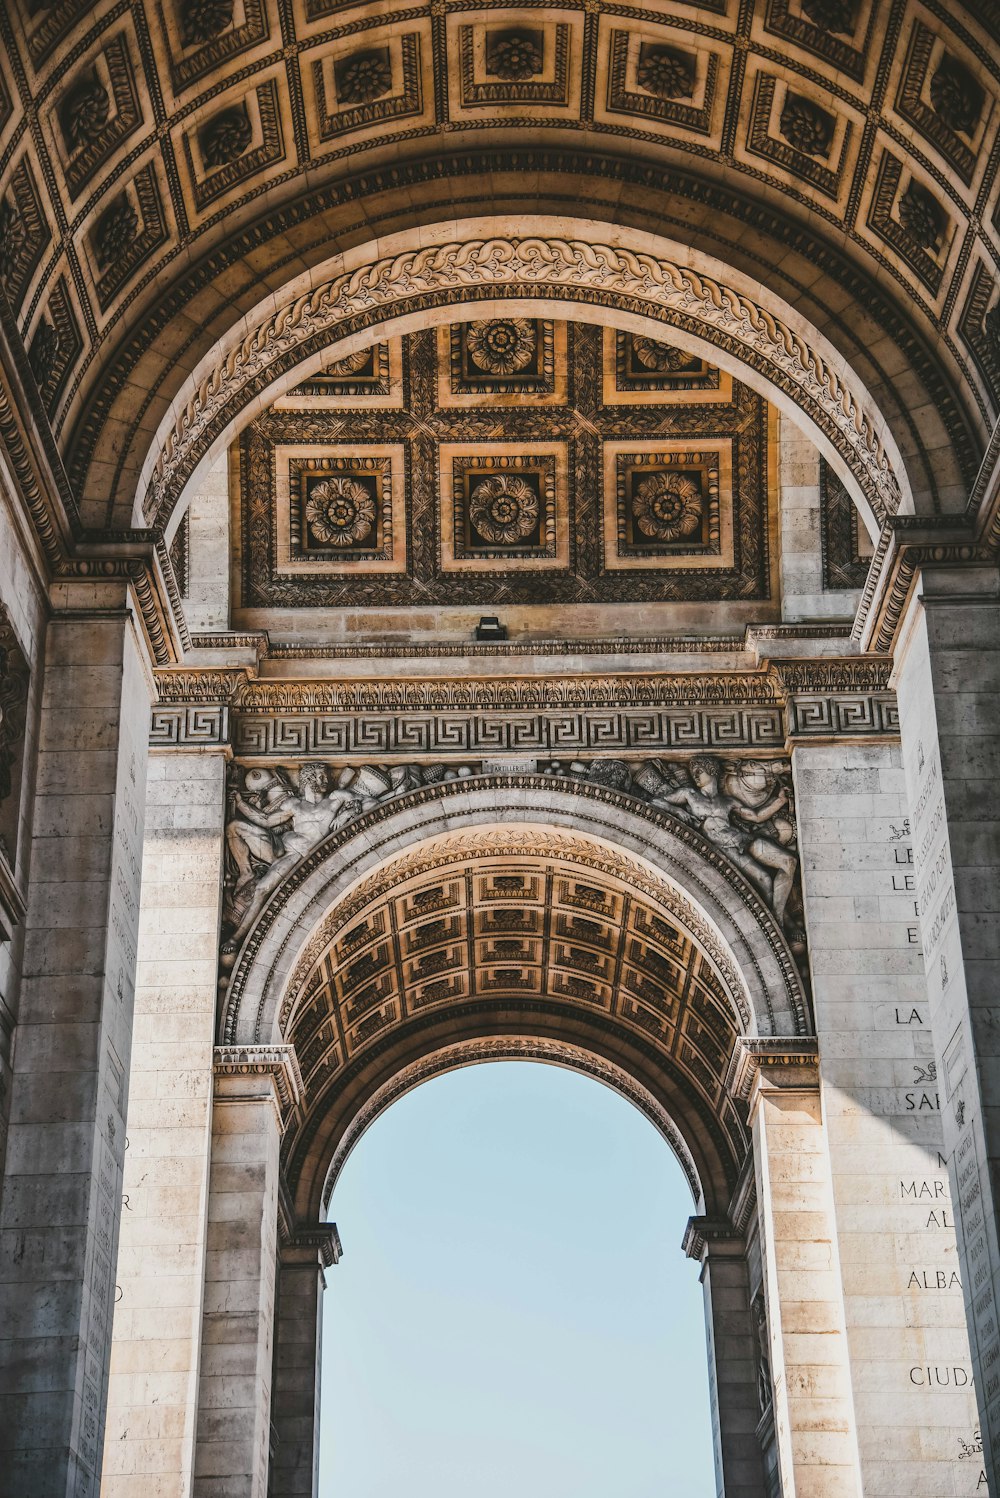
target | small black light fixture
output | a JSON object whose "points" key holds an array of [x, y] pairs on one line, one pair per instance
{"points": [[490, 628]]}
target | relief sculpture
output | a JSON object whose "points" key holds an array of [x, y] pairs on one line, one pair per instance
{"points": [[275, 816], [743, 807]]}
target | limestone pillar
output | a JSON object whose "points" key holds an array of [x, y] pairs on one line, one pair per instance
{"points": [[253, 1084], [295, 1403], [732, 1362], [947, 678], [61, 1198], [909, 1350], [814, 1420], [156, 1343]]}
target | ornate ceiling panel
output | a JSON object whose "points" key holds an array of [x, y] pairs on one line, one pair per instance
{"points": [[150, 152], [509, 461]]}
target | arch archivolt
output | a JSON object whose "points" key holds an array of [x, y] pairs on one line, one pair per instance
{"points": [[672, 853], [515, 1048], [509, 912], [640, 281]]}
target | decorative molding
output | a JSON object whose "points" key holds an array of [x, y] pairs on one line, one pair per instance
{"points": [[812, 716], [533, 717], [704, 1236], [500, 731], [777, 1055], [276, 1061], [189, 727], [536, 266], [907, 544], [322, 1239]]}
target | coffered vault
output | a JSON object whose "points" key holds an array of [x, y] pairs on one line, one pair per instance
{"points": [[156, 160], [670, 335]]}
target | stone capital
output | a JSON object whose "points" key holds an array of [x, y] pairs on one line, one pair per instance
{"points": [[316, 1244], [777, 1061], [710, 1237], [246, 1073]]}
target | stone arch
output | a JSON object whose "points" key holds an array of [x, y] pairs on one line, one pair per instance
{"points": [[640, 281], [730, 961], [672, 851]]}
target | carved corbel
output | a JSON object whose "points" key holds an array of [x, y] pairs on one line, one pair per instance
{"points": [[258, 1073], [790, 1063]]}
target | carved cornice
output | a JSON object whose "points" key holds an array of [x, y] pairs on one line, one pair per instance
{"points": [[319, 1240], [389, 650], [536, 266], [705, 1236], [276, 1061], [822, 674], [758, 709], [781, 1057], [196, 687], [907, 544], [518, 694]]}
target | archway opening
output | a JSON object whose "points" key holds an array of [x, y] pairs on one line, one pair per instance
{"points": [[513, 1311]]}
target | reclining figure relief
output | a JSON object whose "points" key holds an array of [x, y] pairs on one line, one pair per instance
{"points": [[275, 816]]}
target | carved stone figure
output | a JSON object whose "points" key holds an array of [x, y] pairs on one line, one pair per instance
{"points": [[275, 817], [724, 806]]}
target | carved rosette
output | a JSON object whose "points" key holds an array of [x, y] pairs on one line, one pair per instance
{"points": [[340, 511], [502, 345], [504, 509], [667, 507], [203, 20], [85, 112], [515, 58], [659, 357]]}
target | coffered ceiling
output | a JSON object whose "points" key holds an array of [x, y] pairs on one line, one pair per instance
{"points": [[163, 166], [510, 461]]}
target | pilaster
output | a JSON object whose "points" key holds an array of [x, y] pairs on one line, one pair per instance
{"points": [[156, 1342], [881, 1099], [804, 1315], [253, 1087], [948, 682], [61, 1202], [732, 1363], [295, 1403]]}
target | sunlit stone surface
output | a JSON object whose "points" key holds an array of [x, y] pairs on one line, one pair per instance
{"points": [[498, 559]]}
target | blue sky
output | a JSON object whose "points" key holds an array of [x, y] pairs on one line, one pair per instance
{"points": [[513, 1313]]}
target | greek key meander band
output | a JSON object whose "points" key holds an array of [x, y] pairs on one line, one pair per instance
{"points": [[807, 715]]}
